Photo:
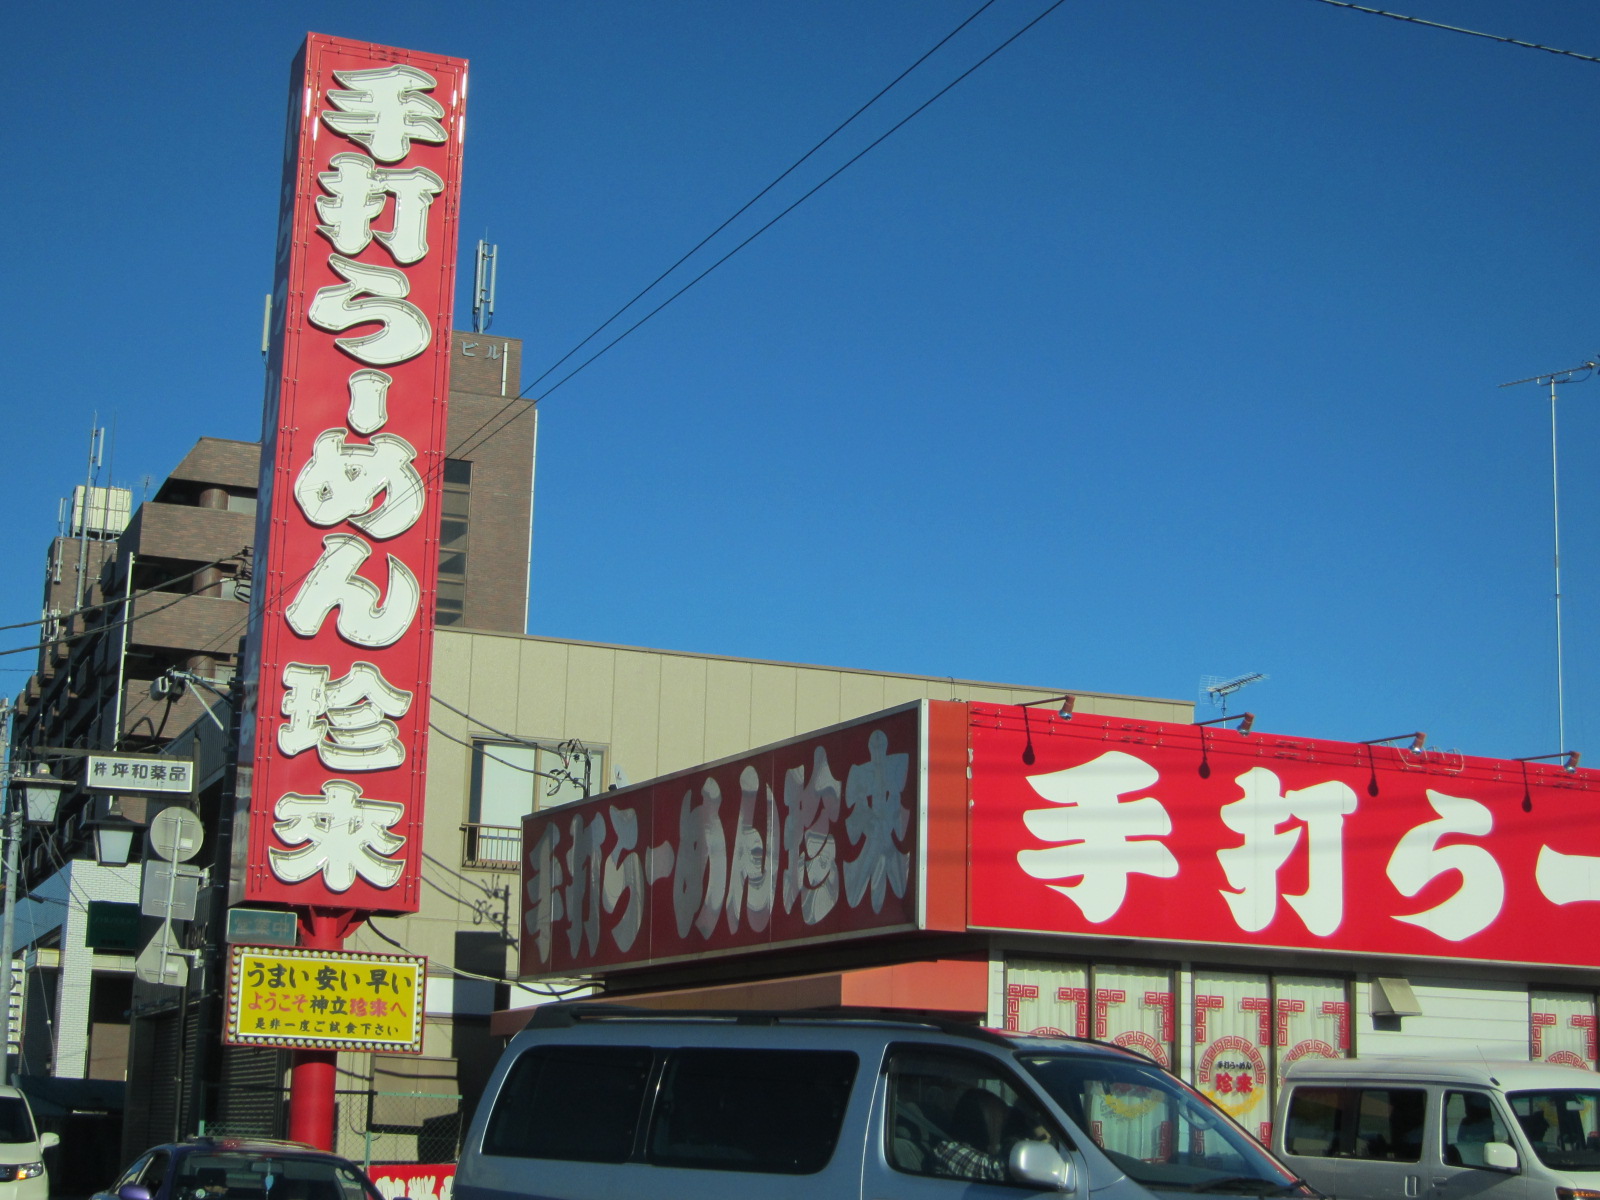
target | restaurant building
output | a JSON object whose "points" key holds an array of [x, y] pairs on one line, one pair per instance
{"points": [[1224, 901]]}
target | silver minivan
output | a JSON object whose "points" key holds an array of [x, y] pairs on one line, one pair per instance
{"points": [[594, 1101], [1365, 1129]]}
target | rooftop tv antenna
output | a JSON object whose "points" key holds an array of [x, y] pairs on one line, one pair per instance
{"points": [[1217, 689], [1553, 378], [483, 287]]}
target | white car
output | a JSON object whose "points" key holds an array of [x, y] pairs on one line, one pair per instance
{"points": [[22, 1147]]}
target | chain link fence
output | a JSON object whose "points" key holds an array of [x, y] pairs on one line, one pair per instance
{"points": [[370, 1126]]}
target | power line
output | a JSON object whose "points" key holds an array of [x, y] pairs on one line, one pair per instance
{"points": [[789, 170], [473, 441], [125, 599], [1493, 37], [121, 621], [469, 441]]}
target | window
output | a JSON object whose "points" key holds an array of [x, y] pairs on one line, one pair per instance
{"points": [[1383, 1124], [770, 1111], [777, 1112], [450, 607], [1470, 1123], [1563, 1126], [578, 1103], [957, 1117], [511, 780], [1160, 1131], [16, 1122]]}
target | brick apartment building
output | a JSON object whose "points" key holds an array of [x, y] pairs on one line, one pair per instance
{"points": [[144, 620]]}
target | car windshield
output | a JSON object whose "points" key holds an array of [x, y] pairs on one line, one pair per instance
{"points": [[16, 1125], [1562, 1125], [245, 1176], [1162, 1133]]}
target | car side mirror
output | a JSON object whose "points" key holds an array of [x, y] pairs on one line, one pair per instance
{"points": [[1498, 1156], [1041, 1164], [47, 1140], [133, 1191]]}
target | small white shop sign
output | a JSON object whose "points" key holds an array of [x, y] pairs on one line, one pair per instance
{"points": [[139, 773]]}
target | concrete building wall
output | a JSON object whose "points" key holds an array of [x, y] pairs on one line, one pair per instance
{"points": [[1460, 1018], [651, 712]]}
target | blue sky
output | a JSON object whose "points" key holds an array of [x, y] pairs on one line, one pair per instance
{"points": [[1164, 346]]}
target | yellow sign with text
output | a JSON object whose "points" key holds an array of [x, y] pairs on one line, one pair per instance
{"points": [[325, 1000]]}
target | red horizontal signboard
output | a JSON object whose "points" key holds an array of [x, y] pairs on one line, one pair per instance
{"points": [[817, 838], [1188, 833]]}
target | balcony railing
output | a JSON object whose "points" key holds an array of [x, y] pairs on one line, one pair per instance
{"points": [[491, 847]]}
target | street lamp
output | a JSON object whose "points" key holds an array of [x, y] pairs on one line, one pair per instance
{"points": [[113, 843], [41, 796]]}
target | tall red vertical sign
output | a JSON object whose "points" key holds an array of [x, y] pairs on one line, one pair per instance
{"points": [[347, 547]]}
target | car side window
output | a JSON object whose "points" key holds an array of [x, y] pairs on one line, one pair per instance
{"points": [[578, 1103], [1375, 1123], [1471, 1122], [955, 1116], [771, 1111], [132, 1174], [155, 1171]]}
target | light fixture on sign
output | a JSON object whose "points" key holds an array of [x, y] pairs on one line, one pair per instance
{"points": [[1068, 703], [1570, 766], [1246, 720], [1418, 740]]}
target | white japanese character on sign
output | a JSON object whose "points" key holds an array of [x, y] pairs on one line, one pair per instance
{"points": [[346, 720], [700, 880], [754, 871], [343, 834], [358, 188], [1418, 860], [385, 110], [1567, 878], [874, 794], [584, 866], [363, 618], [1252, 867], [1102, 838], [811, 869], [341, 482], [623, 881], [542, 886], [369, 400], [371, 294]]}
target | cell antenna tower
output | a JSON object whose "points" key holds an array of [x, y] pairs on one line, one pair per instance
{"points": [[483, 287], [1217, 689]]}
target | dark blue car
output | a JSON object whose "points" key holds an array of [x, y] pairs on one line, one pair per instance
{"points": [[240, 1169]]}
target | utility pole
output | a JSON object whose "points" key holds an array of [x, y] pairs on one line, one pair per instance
{"points": [[8, 926], [1554, 379]]}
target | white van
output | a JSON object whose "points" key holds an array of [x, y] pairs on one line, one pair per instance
{"points": [[596, 1102], [1371, 1129], [22, 1147]]}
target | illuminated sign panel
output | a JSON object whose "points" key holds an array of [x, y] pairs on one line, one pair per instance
{"points": [[325, 1000], [1138, 829], [348, 514], [815, 839]]}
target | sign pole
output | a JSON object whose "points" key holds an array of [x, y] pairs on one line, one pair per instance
{"points": [[313, 1074]]}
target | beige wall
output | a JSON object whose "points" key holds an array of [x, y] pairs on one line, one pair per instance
{"points": [[654, 712]]}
